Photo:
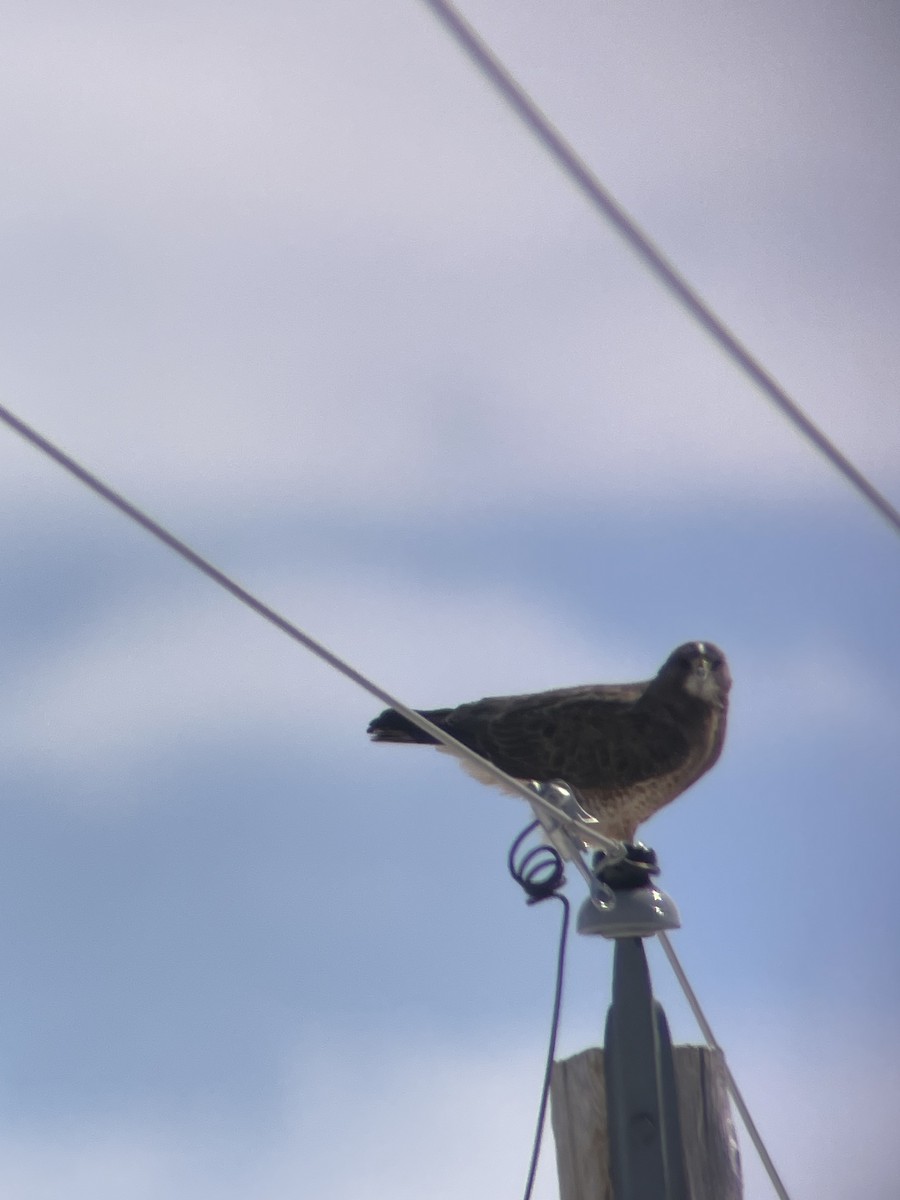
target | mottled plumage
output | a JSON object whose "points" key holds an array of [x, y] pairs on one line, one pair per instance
{"points": [[625, 749]]}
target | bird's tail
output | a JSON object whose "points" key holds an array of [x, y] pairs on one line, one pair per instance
{"points": [[390, 726]]}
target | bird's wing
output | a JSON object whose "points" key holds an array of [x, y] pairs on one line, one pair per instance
{"points": [[592, 737]]}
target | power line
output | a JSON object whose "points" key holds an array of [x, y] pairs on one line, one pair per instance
{"points": [[736, 1095], [589, 184], [556, 824], [563, 824], [581, 174], [540, 873]]}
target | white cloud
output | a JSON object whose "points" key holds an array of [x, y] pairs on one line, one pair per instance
{"points": [[822, 685], [419, 1120], [95, 1161], [280, 112], [393, 1119], [814, 1108], [298, 258], [153, 672], [145, 678], [825, 1104]]}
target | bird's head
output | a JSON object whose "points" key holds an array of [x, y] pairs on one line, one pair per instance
{"points": [[700, 669]]}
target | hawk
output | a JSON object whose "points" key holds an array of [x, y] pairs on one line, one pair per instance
{"points": [[625, 749]]}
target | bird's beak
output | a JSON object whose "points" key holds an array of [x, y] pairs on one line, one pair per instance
{"points": [[702, 682], [710, 687]]}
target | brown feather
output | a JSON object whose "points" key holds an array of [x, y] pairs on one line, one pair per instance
{"points": [[625, 749]]}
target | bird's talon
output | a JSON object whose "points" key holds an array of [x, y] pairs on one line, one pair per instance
{"points": [[635, 870]]}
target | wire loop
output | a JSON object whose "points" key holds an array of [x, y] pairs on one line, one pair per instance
{"points": [[540, 871]]}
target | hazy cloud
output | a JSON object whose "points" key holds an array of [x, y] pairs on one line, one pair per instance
{"points": [[378, 1121]]}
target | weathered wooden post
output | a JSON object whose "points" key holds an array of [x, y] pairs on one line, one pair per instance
{"points": [[637, 1121]]}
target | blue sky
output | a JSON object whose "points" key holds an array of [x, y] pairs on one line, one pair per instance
{"points": [[295, 282]]}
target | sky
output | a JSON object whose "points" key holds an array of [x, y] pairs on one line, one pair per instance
{"points": [[291, 278]]}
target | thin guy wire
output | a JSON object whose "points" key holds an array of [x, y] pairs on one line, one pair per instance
{"points": [[96, 485], [739, 1103], [577, 169], [580, 173], [551, 1049], [152, 527]]}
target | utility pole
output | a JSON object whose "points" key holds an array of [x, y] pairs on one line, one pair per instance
{"points": [[637, 1121]]}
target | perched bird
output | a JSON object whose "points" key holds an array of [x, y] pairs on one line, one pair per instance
{"points": [[625, 749]]}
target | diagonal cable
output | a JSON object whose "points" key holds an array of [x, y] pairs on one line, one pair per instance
{"points": [[581, 174], [557, 819], [736, 1095], [548, 813]]}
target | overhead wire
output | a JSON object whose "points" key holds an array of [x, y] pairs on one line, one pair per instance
{"points": [[531, 875], [581, 174], [735, 1092], [577, 170], [575, 167], [540, 872], [572, 825]]}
